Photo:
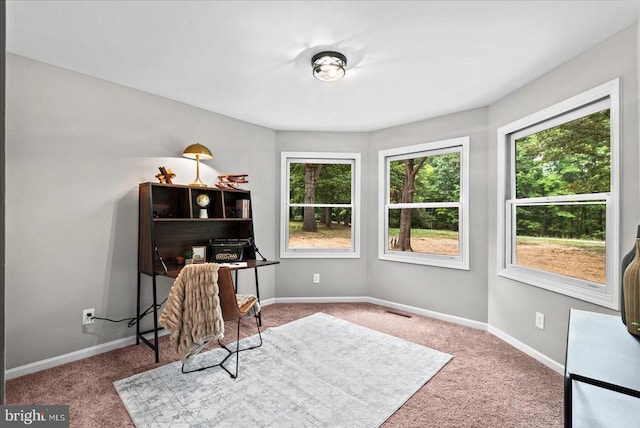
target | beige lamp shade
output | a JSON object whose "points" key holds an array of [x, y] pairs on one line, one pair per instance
{"points": [[197, 151]]}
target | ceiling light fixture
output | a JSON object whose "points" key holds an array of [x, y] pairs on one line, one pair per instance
{"points": [[328, 66]]}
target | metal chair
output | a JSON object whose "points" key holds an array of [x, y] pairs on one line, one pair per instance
{"points": [[231, 311]]}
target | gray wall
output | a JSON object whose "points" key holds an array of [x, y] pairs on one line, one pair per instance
{"points": [[77, 147], [450, 291], [338, 277], [455, 292], [512, 305]]}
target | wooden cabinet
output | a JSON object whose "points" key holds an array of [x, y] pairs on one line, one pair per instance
{"points": [[170, 223]]}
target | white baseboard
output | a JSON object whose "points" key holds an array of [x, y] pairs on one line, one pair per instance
{"points": [[552, 364], [267, 302], [431, 314], [121, 343], [85, 353], [406, 308], [346, 299], [74, 356], [437, 315]]}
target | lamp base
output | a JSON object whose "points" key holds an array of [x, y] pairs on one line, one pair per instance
{"points": [[197, 183]]}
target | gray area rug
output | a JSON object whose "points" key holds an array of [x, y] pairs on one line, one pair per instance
{"points": [[318, 371]]}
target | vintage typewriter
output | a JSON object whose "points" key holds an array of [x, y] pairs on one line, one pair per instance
{"points": [[224, 250]]}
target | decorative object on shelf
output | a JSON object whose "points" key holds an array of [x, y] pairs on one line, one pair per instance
{"points": [[203, 200], [626, 260], [199, 254], [329, 66], [166, 175], [631, 289], [231, 181], [188, 257], [242, 208], [197, 151], [180, 260]]}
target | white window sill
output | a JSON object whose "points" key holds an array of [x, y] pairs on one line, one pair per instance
{"points": [[430, 260], [572, 287], [319, 254]]}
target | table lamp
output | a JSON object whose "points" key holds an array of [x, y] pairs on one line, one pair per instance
{"points": [[197, 151]]}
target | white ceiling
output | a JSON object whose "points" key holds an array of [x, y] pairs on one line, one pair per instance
{"points": [[407, 60]]}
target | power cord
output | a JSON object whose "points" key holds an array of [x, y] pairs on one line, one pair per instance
{"points": [[255, 248], [133, 321]]}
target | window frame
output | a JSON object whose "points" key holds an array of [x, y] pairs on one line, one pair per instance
{"points": [[606, 295], [385, 157], [354, 159]]}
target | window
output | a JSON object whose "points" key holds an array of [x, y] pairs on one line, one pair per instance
{"points": [[558, 213], [320, 195], [424, 204]]}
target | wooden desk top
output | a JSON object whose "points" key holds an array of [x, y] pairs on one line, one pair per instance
{"points": [[173, 270]]}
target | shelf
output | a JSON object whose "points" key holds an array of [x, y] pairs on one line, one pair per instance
{"points": [[601, 375], [169, 225], [172, 219], [599, 407]]}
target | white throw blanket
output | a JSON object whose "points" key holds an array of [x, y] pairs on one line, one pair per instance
{"points": [[192, 314]]}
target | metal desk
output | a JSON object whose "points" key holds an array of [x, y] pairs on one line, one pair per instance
{"points": [[172, 272]]}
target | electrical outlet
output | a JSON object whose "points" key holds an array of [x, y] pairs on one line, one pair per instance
{"points": [[87, 316], [316, 278], [540, 320]]}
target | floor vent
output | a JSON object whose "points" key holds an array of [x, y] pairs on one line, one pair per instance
{"points": [[402, 314]]}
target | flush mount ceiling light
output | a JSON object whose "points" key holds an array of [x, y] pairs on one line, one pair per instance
{"points": [[328, 66]]}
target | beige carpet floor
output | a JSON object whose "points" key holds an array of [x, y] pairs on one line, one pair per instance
{"points": [[488, 383]]}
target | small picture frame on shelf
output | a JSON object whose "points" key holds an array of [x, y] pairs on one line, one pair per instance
{"points": [[199, 254]]}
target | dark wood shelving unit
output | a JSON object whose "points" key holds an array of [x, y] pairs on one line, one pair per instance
{"points": [[169, 224]]}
